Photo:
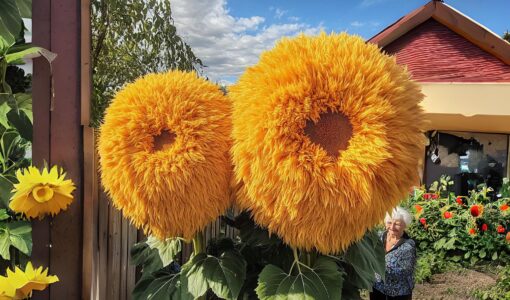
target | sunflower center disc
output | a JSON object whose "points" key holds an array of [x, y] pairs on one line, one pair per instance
{"points": [[164, 140], [42, 193], [332, 132]]}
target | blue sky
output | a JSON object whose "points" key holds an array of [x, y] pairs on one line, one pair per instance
{"points": [[229, 35], [366, 17]]}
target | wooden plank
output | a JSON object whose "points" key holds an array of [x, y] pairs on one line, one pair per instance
{"points": [[124, 246], [90, 183], [86, 67], [66, 147], [102, 278], [131, 269], [41, 36], [90, 216], [114, 254]]}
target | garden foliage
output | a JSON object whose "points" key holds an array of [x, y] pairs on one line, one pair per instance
{"points": [[463, 229], [255, 265]]}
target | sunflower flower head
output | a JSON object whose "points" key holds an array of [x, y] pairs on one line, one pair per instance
{"points": [[39, 193], [20, 284], [164, 153], [327, 137]]}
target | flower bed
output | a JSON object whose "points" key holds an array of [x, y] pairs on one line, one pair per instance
{"points": [[462, 228]]}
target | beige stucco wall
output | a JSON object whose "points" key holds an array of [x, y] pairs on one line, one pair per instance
{"points": [[477, 107]]}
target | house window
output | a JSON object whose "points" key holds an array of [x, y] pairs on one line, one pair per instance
{"points": [[468, 158]]}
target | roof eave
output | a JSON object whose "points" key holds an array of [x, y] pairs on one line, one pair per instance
{"points": [[455, 21]]}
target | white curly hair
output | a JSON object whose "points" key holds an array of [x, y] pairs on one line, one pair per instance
{"points": [[399, 213]]}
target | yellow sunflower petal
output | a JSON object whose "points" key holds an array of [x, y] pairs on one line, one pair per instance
{"points": [[291, 181], [7, 291], [24, 282], [36, 190], [164, 153]]}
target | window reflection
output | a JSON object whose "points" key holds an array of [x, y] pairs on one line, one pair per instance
{"points": [[469, 158]]}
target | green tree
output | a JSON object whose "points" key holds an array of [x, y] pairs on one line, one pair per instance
{"points": [[506, 36], [131, 38]]}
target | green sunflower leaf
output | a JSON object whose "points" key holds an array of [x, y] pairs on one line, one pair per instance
{"points": [[322, 282], [366, 258], [224, 275], [164, 284], [167, 249], [17, 234]]}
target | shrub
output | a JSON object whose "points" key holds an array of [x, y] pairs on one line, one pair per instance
{"points": [[461, 228]]}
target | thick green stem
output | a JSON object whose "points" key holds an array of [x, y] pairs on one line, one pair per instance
{"points": [[296, 259], [198, 243], [199, 247]]}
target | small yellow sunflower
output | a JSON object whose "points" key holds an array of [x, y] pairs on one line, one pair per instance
{"points": [[7, 291], [164, 153], [20, 284], [40, 193], [327, 135]]}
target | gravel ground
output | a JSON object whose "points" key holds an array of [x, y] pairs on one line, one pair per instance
{"points": [[453, 285]]}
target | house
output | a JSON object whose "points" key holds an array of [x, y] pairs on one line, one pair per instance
{"points": [[464, 71]]}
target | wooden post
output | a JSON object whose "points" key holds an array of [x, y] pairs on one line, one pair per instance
{"points": [[41, 95], [58, 140]]}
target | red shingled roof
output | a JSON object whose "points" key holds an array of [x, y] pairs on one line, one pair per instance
{"points": [[434, 53], [440, 44]]}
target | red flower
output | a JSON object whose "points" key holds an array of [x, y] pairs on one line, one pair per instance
{"points": [[476, 210], [435, 196], [504, 207], [427, 196], [447, 215], [500, 229], [459, 200], [423, 221], [485, 227], [472, 231]]}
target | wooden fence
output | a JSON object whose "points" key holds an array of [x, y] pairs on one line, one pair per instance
{"points": [[116, 276]]}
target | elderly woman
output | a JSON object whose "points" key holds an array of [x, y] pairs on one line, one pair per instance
{"points": [[400, 259]]}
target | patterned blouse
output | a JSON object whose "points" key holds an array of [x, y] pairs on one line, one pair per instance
{"points": [[400, 264]]}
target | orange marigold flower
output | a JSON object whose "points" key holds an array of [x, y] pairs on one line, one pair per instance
{"points": [[447, 214], [419, 209], [325, 128], [504, 207], [476, 210], [164, 153], [472, 231], [508, 237]]}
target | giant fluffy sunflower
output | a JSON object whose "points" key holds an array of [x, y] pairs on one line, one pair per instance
{"points": [[327, 137], [20, 284], [164, 153], [40, 193]]}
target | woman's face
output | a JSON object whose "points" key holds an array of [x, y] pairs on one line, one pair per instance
{"points": [[395, 227]]}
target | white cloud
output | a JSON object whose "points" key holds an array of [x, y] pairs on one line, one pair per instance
{"points": [[367, 3], [358, 24], [279, 13], [224, 43]]}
